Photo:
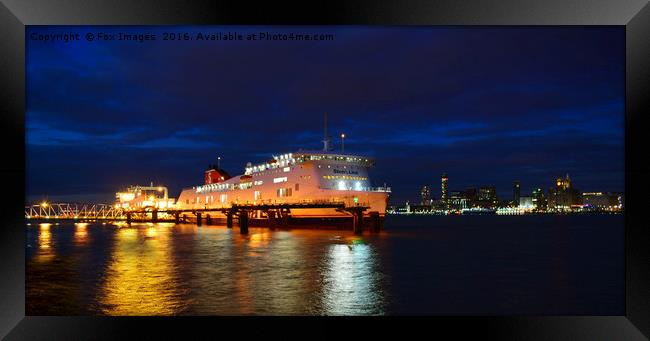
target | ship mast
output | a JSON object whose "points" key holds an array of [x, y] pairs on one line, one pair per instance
{"points": [[326, 139]]}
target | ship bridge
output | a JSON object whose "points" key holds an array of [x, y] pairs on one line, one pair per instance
{"points": [[286, 160]]}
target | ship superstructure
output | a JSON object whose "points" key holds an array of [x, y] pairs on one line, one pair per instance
{"points": [[144, 197], [299, 177]]}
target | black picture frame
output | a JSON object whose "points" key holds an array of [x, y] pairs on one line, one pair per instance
{"points": [[634, 15]]}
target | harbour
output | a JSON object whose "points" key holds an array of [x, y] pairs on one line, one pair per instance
{"points": [[475, 178]]}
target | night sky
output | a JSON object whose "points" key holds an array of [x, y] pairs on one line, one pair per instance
{"points": [[486, 105]]}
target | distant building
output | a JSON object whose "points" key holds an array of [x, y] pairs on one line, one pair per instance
{"points": [[526, 202], [471, 194], [425, 195], [563, 197], [487, 197], [516, 192], [458, 200], [602, 201], [444, 183], [539, 200]]}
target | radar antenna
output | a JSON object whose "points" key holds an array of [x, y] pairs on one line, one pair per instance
{"points": [[326, 139]]}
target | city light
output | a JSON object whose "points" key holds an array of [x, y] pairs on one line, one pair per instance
{"points": [[561, 198]]}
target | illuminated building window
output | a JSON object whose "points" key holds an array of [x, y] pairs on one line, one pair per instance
{"points": [[278, 180]]}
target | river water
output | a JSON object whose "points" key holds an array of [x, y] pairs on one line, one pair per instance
{"points": [[442, 265]]}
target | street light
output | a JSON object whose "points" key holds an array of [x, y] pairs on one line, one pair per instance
{"points": [[342, 143], [218, 162]]}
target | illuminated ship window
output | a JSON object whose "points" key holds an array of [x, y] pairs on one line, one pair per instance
{"points": [[283, 192]]}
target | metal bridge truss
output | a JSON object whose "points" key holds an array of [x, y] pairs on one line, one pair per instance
{"points": [[74, 211]]}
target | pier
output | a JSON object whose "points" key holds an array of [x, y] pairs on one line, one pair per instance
{"points": [[277, 215]]}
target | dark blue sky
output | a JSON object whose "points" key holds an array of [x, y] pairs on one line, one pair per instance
{"points": [[486, 105]]}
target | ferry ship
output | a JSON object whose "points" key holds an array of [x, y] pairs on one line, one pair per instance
{"points": [[301, 177]]}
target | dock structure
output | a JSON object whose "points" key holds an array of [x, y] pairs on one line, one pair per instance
{"points": [[278, 214]]}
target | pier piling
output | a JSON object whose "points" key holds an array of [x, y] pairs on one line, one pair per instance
{"points": [[374, 222], [198, 219], [176, 218], [243, 221], [208, 220], [154, 216], [128, 218], [357, 221], [229, 219]]}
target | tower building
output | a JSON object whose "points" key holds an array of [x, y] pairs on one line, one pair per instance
{"points": [[425, 195], [444, 190], [516, 192]]}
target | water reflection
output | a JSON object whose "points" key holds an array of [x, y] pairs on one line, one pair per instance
{"points": [[81, 233], [167, 269], [351, 283], [140, 279], [45, 252], [259, 241], [281, 267]]}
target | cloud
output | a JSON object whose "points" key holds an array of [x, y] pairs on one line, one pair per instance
{"points": [[487, 105]]}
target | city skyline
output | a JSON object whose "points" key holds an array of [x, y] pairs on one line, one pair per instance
{"points": [[435, 192], [485, 105], [563, 197]]}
